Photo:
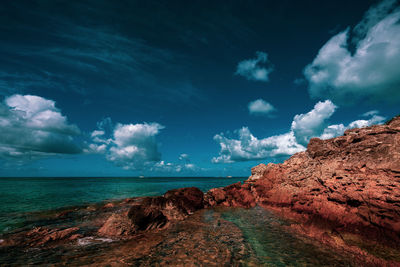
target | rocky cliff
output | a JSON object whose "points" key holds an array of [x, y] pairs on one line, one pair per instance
{"points": [[349, 184]]}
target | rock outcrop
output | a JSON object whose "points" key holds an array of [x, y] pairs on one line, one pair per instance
{"points": [[154, 212], [350, 183]]}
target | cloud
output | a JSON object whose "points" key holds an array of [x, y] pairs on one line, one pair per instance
{"points": [[32, 127], [253, 70], [134, 147], [168, 167], [338, 129], [374, 15], [305, 126], [260, 107], [184, 157], [86, 56], [249, 147], [130, 146], [371, 71]]}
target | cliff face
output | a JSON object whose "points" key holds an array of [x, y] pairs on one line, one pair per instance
{"points": [[351, 182]]}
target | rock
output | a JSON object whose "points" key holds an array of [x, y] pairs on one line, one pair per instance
{"points": [[155, 212], [235, 195], [147, 217], [117, 225], [218, 194], [109, 205], [257, 172], [186, 200], [40, 236], [351, 182]]}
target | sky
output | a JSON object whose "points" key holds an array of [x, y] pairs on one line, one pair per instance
{"points": [[178, 88]]}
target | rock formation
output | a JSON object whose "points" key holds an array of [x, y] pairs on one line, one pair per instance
{"points": [[154, 212], [349, 183]]}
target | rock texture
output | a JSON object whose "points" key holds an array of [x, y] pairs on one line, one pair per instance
{"points": [[154, 212], [350, 183]]}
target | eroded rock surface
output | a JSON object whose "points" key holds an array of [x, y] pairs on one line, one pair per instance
{"points": [[351, 183], [154, 212]]}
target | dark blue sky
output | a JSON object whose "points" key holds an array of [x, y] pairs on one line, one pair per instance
{"points": [[178, 88]]}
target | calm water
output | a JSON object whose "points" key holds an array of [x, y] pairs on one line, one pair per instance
{"points": [[21, 196]]}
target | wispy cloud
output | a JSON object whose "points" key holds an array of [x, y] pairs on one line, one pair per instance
{"points": [[260, 107], [69, 54], [255, 69]]}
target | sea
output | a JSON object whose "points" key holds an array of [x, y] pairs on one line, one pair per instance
{"points": [[20, 197], [265, 240]]}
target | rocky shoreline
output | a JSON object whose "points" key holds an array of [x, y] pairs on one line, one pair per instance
{"points": [[342, 192]]}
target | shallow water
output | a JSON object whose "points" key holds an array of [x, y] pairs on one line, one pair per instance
{"points": [[21, 196], [211, 237], [274, 245]]}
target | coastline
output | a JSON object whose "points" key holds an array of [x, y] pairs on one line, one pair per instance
{"points": [[74, 231], [311, 198]]}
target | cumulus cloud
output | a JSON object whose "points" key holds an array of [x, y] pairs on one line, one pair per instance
{"points": [[338, 129], [255, 69], [32, 126], [134, 147], [260, 107], [248, 147], [131, 146], [304, 127], [371, 71]]}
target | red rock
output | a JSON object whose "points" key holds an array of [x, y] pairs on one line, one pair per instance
{"points": [[351, 182], [109, 205], [155, 212], [117, 225]]}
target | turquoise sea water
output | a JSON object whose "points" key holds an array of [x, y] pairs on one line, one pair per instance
{"points": [[21, 196]]}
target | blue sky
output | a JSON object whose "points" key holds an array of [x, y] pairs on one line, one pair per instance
{"points": [[172, 88]]}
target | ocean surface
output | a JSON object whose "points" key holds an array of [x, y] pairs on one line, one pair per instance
{"points": [[21, 197]]}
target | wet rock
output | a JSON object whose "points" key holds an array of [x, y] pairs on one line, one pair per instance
{"points": [[40, 236], [155, 212], [351, 182], [117, 225], [147, 217]]}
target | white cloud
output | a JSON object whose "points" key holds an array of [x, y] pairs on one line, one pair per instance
{"points": [[184, 157], [338, 129], [134, 147], [96, 133], [256, 69], [249, 147], [168, 167], [32, 126], [311, 124], [371, 71], [372, 17], [260, 107], [131, 146], [304, 127]]}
